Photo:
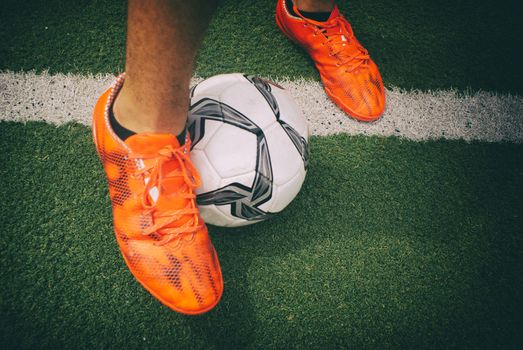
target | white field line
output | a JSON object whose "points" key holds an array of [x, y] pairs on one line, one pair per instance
{"points": [[415, 115]]}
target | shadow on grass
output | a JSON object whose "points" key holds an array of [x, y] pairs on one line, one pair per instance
{"points": [[390, 243]]}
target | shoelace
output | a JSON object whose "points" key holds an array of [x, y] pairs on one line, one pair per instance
{"points": [[154, 173], [334, 39]]}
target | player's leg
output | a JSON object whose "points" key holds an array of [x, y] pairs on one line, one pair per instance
{"points": [[349, 75], [314, 5], [151, 178], [163, 37]]}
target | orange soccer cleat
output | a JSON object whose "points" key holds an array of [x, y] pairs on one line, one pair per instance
{"points": [[162, 237], [349, 75]]}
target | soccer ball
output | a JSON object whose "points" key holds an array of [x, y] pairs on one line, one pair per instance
{"points": [[250, 146]]}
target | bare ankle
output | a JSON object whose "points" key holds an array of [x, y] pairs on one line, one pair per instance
{"points": [[139, 118], [314, 5]]}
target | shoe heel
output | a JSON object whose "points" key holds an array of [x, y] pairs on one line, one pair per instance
{"points": [[283, 30]]}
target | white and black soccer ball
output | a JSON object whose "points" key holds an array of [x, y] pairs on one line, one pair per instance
{"points": [[250, 146]]}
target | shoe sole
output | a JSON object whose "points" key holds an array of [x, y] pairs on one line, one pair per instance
{"points": [[333, 97]]}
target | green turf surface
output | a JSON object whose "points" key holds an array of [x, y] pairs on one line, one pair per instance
{"points": [[426, 44], [391, 243]]}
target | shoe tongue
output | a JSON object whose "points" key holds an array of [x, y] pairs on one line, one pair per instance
{"points": [[148, 143], [335, 13]]}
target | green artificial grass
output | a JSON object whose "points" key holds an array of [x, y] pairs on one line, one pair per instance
{"points": [[390, 244], [421, 44]]}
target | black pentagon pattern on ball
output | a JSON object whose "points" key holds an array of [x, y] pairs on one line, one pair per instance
{"points": [[299, 141], [244, 200]]}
